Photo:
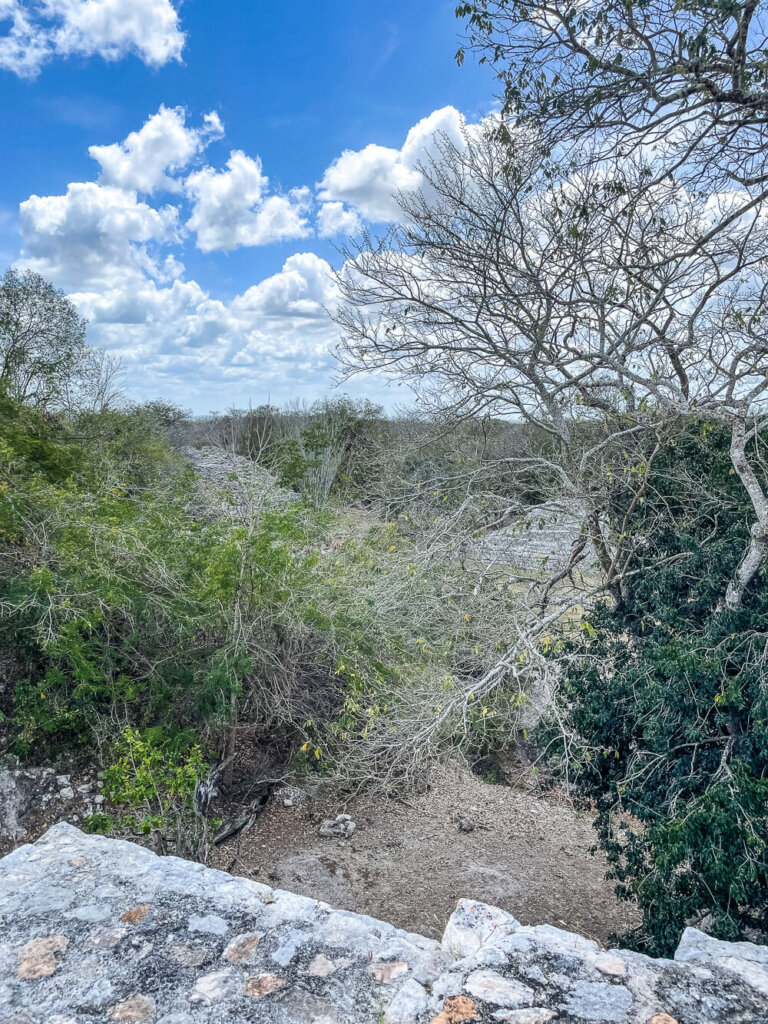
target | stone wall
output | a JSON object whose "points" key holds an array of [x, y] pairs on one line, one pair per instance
{"points": [[97, 929], [540, 542]]}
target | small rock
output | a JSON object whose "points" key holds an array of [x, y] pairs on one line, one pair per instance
{"points": [[214, 988], [241, 949], [37, 958], [456, 1009], [466, 825], [212, 924], [189, 956], [340, 827], [493, 988], [62, 780], [321, 966], [108, 938], [473, 925], [662, 1018], [85, 788], [136, 914], [137, 1009], [611, 965], [532, 1015], [408, 1005], [259, 985], [386, 972], [67, 793]]}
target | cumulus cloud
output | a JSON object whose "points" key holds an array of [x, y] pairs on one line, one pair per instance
{"points": [[337, 219], [94, 234], [24, 47], [368, 179], [232, 207], [164, 144], [116, 243], [304, 287], [40, 30], [273, 339], [117, 249]]}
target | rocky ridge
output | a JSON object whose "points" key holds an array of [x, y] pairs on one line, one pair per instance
{"points": [[97, 929]]}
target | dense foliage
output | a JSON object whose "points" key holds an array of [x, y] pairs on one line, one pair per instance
{"points": [[668, 692], [139, 622]]}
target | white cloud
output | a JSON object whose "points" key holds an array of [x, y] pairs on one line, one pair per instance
{"points": [[232, 208], [119, 250], [94, 234], [274, 339], [304, 287], [24, 47], [111, 29], [337, 219], [164, 144], [369, 179]]}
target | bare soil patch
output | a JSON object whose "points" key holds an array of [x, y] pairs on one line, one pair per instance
{"points": [[408, 863]]}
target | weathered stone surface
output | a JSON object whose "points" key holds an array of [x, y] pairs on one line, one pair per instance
{"points": [[545, 536], [493, 988], [321, 966], [742, 958], [473, 925], [176, 943], [409, 1004], [137, 1009], [233, 484], [533, 1015], [37, 958], [241, 949]]}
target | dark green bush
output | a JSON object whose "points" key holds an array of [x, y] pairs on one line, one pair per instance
{"points": [[669, 694]]}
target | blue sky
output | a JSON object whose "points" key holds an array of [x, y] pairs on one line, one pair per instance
{"points": [[231, 148]]}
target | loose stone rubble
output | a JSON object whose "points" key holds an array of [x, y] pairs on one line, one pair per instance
{"points": [[340, 827], [96, 929], [31, 798], [541, 541], [234, 485]]}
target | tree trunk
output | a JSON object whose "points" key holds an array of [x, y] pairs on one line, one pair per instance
{"points": [[758, 540]]}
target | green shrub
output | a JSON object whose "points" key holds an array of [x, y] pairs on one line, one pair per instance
{"points": [[668, 693], [98, 824]]}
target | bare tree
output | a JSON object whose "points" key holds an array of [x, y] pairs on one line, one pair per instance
{"points": [[577, 299], [686, 79]]}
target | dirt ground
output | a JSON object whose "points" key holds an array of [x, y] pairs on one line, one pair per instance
{"points": [[408, 863]]}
